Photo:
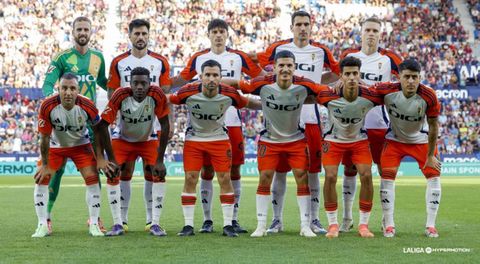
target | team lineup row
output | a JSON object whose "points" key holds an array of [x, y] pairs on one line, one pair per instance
{"points": [[210, 102]]}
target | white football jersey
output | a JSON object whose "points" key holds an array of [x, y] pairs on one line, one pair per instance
{"points": [[233, 62], [281, 107], [207, 115], [346, 119], [310, 61], [377, 67], [68, 128], [136, 120], [407, 115]]}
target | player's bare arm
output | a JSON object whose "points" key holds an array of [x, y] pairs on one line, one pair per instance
{"points": [[43, 170], [160, 169], [103, 144], [432, 161]]}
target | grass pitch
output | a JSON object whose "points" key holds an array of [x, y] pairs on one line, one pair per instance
{"points": [[458, 224]]}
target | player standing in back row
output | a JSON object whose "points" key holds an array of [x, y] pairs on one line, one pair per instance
{"points": [[234, 63], [89, 66], [310, 59], [378, 65]]}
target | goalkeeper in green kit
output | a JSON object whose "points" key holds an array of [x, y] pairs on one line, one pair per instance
{"points": [[89, 65]]}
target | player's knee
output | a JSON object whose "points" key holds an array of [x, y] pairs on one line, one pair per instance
{"points": [[350, 171], [148, 177], [125, 177], [235, 173], [46, 181], [430, 172], [91, 179], [113, 181], [207, 173], [191, 178], [389, 174]]}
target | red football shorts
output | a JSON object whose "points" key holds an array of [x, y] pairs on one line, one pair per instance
{"points": [[394, 151], [83, 156], [376, 139], [295, 154], [129, 151], [218, 152], [235, 136], [314, 142], [358, 152]]}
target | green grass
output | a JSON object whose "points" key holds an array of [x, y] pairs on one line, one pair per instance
{"points": [[458, 224]]}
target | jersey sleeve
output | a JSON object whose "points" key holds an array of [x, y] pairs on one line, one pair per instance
{"points": [[161, 106], [113, 76], [385, 88], [325, 95], [102, 79], [330, 62], [268, 56], [395, 60], [433, 105], [165, 74], [54, 72], [238, 101], [88, 106], [44, 123], [190, 70], [346, 52], [109, 114], [254, 86], [248, 66], [371, 95], [185, 91]]}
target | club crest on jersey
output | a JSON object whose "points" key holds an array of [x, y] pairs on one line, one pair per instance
{"points": [[379, 65], [147, 108], [297, 96], [231, 63], [313, 56], [152, 67], [364, 110], [80, 119], [221, 107], [419, 110]]}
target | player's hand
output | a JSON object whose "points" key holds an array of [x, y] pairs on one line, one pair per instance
{"points": [[338, 87], [433, 162], [109, 168], [159, 170], [42, 173]]}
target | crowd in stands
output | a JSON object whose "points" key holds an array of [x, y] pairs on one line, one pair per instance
{"points": [[474, 7], [35, 31]]}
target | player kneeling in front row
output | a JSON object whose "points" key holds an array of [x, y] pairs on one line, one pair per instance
{"points": [[63, 131], [347, 113], [207, 101], [135, 136], [408, 103]]}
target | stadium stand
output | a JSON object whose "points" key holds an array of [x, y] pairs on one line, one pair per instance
{"points": [[35, 31]]}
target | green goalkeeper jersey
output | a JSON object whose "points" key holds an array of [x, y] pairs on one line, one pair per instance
{"points": [[89, 67]]}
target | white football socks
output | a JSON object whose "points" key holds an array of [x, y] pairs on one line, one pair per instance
{"points": [[125, 191], [206, 194], [432, 198], [158, 195], [147, 199], [40, 199], [349, 189], [387, 198], [314, 186], [113, 194], [237, 191], [92, 196], [279, 187]]}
